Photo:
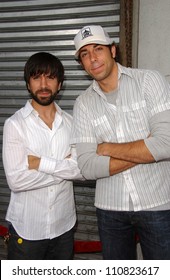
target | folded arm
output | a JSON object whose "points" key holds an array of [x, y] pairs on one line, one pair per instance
{"points": [[154, 148], [103, 160], [135, 152], [15, 162], [66, 169], [94, 166]]}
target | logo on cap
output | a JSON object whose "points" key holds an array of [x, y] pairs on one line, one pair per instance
{"points": [[86, 32]]}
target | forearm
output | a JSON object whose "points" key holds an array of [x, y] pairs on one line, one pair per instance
{"points": [[24, 180], [117, 166], [154, 148], [135, 152], [15, 163], [94, 166], [66, 169]]}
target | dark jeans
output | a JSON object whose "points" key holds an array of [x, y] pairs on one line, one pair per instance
{"points": [[59, 248], [117, 230]]}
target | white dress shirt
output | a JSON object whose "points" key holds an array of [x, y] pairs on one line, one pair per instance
{"points": [[42, 203], [141, 96]]}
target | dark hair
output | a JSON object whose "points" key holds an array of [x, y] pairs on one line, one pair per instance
{"points": [[43, 63], [117, 58]]}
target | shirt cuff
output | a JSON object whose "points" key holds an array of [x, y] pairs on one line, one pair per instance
{"points": [[47, 165], [102, 167], [157, 151]]}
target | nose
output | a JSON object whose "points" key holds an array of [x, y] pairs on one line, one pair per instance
{"points": [[93, 56], [43, 81]]}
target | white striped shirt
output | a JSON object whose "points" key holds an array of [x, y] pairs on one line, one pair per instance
{"points": [[41, 204], [142, 94]]}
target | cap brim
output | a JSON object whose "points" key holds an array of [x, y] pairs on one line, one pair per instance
{"points": [[92, 41]]}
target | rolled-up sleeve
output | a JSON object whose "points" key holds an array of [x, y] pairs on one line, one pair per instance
{"points": [[159, 141], [92, 166]]}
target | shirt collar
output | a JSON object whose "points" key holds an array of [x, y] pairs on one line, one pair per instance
{"points": [[28, 109], [121, 71], [124, 70]]}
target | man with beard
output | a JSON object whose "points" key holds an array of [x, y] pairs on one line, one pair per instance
{"points": [[39, 164]]}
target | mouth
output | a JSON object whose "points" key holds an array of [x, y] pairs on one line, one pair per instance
{"points": [[43, 93], [96, 67]]}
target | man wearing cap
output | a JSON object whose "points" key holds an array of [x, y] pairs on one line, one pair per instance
{"points": [[121, 128]]}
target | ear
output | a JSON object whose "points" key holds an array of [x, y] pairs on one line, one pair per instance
{"points": [[28, 86], [81, 64], [59, 86], [113, 51]]}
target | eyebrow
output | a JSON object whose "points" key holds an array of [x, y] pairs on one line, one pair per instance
{"points": [[85, 49]]}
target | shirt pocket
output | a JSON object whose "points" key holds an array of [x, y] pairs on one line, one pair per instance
{"points": [[102, 129], [135, 119]]}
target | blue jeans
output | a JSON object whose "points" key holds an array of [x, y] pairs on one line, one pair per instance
{"points": [[59, 248], [117, 230]]}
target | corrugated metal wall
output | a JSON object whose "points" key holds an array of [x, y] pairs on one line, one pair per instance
{"points": [[27, 27]]}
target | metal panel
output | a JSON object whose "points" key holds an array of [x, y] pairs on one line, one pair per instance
{"points": [[27, 27]]}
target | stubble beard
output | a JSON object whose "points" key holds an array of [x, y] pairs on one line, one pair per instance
{"points": [[43, 101]]}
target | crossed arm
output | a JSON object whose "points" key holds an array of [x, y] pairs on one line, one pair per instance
{"points": [[33, 162], [125, 155], [154, 148], [65, 169], [28, 172], [106, 159]]}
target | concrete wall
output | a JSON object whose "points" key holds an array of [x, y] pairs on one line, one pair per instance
{"points": [[151, 49]]}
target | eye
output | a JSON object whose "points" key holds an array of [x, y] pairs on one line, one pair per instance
{"points": [[50, 77], [35, 77], [83, 54], [99, 48]]}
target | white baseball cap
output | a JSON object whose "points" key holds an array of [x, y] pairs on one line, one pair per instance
{"points": [[92, 34]]}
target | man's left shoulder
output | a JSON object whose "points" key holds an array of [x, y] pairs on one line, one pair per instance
{"points": [[144, 72]]}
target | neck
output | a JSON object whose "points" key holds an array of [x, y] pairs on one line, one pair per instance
{"points": [[46, 113], [43, 110]]}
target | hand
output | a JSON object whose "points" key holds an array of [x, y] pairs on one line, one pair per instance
{"points": [[69, 156], [33, 162], [103, 149]]}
